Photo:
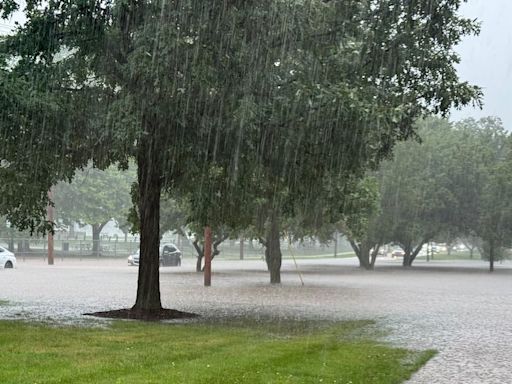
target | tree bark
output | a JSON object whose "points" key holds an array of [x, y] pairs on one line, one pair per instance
{"points": [[363, 254], [200, 255], [273, 255], [411, 253], [374, 254], [200, 251], [407, 261], [491, 256], [149, 179], [241, 248], [96, 231]]}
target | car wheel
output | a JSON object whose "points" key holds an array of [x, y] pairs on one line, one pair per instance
{"points": [[8, 265]]}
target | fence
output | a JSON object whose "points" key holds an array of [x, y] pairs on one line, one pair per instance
{"points": [[81, 246], [75, 248]]}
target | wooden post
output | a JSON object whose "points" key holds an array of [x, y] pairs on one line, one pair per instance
{"points": [[207, 256], [49, 211], [335, 244]]}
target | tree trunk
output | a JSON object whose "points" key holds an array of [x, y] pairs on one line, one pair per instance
{"points": [[273, 254], [149, 179], [199, 263], [241, 248], [364, 257], [374, 254], [491, 257], [96, 231], [363, 254], [407, 261], [411, 253], [200, 254]]}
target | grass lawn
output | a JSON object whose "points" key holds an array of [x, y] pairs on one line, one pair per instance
{"points": [[134, 352]]}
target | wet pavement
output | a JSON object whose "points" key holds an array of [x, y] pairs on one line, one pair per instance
{"points": [[459, 308]]}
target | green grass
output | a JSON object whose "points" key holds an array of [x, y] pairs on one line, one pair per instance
{"points": [[131, 352]]}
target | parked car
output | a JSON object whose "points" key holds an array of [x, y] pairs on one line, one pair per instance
{"points": [[7, 258], [170, 256], [397, 252]]}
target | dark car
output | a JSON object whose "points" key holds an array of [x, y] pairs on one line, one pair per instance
{"points": [[170, 256]]}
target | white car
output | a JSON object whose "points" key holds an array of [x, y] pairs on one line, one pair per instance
{"points": [[7, 258]]}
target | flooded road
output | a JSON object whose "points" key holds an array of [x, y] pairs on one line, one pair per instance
{"points": [[458, 308]]}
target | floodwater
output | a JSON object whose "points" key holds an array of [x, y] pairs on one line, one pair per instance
{"points": [[459, 309]]}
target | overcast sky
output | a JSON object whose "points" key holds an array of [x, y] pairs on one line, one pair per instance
{"points": [[486, 59]]}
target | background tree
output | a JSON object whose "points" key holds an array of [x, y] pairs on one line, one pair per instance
{"points": [[492, 187], [364, 227], [94, 197], [416, 199]]}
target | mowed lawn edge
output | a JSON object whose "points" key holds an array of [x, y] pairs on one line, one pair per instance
{"points": [[135, 352]]}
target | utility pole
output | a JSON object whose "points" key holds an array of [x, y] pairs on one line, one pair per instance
{"points": [[49, 212], [207, 256]]}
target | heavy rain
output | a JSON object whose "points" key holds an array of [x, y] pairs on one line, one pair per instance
{"points": [[273, 191]]}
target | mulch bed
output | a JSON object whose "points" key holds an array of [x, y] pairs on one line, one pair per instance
{"points": [[129, 313]]}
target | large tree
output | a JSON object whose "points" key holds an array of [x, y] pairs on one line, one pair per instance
{"points": [[377, 67], [180, 86]]}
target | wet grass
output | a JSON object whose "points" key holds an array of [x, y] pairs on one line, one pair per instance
{"points": [[132, 352]]}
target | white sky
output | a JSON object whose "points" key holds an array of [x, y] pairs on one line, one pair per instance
{"points": [[486, 59]]}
